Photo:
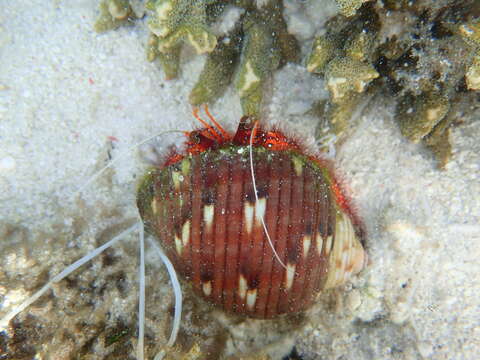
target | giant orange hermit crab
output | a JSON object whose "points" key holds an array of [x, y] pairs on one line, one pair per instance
{"points": [[255, 222]]}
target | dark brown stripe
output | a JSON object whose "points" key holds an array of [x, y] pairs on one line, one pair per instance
{"points": [[258, 237], [271, 222], [196, 233], [278, 272], [245, 245], [306, 230], [325, 210], [311, 207], [234, 213], [186, 215], [220, 231], [209, 194], [295, 231]]}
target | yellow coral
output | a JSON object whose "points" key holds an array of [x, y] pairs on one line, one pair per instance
{"points": [[418, 118], [472, 76], [323, 50], [349, 7], [346, 75]]}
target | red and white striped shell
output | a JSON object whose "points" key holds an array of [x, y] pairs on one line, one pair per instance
{"points": [[201, 205]]}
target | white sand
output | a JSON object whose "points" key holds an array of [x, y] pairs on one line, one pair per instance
{"points": [[64, 90]]}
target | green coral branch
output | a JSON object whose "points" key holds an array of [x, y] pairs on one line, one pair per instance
{"points": [[260, 57], [349, 7], [181, 21], [217, 72], [418, 116], [113, 14], [170, 60]]}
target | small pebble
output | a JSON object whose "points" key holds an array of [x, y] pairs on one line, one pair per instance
{"points": [[354, 300]]}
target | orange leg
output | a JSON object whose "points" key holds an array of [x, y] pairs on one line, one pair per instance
{"points": [[204, 123], [212, 119]]}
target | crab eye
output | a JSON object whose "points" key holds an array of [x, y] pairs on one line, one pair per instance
{"points": [[195, 137]]}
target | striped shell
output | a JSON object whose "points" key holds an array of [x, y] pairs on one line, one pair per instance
{"points": [[203, 209]]}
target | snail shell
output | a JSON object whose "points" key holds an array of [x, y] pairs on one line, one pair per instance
{"points": [[202, 207]]}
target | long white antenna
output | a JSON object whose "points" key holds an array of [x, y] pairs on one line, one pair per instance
{"points": [[67, 271], [95, 176], [176, 289], [141, 296], [256, 195]]}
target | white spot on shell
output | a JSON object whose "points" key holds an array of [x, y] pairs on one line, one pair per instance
{"points": [[297, 165], [177, 178], [186, 233], [260, 208], [178, 245], [242, 286], [251, 298], [207, 288], [289, 275], [154, 206], [328, 245], [248, 212], [208, 212], [307, 241], [319, 244]]}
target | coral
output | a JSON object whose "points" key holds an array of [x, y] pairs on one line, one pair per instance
{"points": [[349, 7], [217, 72], [259, 58], [360, 46], [323, 50], [420, 114], [344, 57], [178, 21], [470, 33], [430, 56], [113, 14], [424, 56], [345, 75], [258, 43], [169, 59], [472, 75]]}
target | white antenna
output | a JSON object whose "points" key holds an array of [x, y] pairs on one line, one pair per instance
{"points": [[114, 161], [67, 271], [176, 289], [256, 195], [141, 295]]}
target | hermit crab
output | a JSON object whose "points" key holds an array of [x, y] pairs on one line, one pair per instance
{"points": [[257, 224]]}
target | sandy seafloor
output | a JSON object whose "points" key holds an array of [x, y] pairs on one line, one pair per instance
{"points": [[65, 91]]}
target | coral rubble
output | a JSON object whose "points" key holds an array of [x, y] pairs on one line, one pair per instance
{"points": [[421, 55]]}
